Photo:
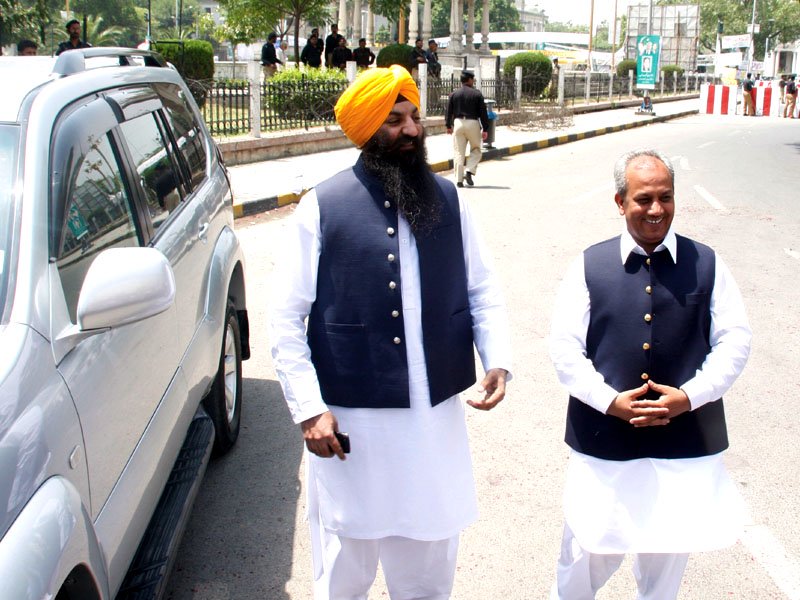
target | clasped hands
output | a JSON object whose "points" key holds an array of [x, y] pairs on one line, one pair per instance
{"points": [[646, 413]]}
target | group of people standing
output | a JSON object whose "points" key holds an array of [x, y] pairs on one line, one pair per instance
{"points": [[74, 42], [387, 287], [788, 91], [333, 50]]}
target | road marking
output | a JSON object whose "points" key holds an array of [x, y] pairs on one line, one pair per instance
{"points": [[706, 195], [793, 253], [604, 190], [706, 144], [770, 554]]}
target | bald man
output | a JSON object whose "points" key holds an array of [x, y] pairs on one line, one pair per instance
{"points": [[384, 262]]}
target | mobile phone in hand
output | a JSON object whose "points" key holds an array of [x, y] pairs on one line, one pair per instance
{"points": [[344, 441]]}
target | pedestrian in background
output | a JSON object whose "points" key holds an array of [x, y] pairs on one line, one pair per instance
{"points": [[331, 43], [384, 265], [74, 42], [648, 333], [790, 93], [341, 54], [748, 92], [283, 55], [269, 56], [466, 118], [311, 56], [26, 48], [363, 56], [432, 57]]}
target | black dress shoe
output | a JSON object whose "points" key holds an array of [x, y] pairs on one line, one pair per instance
{"points": [[468, 177], [459, 184]]}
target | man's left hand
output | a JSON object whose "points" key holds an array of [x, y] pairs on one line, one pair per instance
{"points": [[484, 135], [672, 398], [493, 387]]}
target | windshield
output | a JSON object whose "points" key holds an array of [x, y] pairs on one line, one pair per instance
{"points": [[9, 135]]}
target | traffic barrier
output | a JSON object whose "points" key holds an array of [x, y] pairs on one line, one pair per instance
{"points": [[768, 101], [718, 99]]}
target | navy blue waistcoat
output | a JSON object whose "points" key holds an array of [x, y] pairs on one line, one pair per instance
{"points": [[355, 328], [650, 319]]}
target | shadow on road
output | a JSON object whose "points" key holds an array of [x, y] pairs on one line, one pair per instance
{"points": [[238, 542]]}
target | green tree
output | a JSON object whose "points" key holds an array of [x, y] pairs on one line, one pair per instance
{"points": [[600, 39], [568, 27], [503, 16]]}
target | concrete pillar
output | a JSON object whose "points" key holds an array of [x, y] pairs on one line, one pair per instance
{"points": [[470, 25], [254, 75], [562, 73], [427, 21], [588, 88], [413, 22], [342, 19], [351, 70], [422, 73], [370, 26], [517, 86], [630, 82], [485, 28], [611, 86], [455, 46], [356, 21]]}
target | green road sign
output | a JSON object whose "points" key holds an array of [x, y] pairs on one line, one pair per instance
{"points": [[647, 57]]}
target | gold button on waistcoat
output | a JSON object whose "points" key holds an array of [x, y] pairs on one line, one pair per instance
{"points": [[395, 313], [390, 230], [645, 376], [390, 258], [649, 289], [397, 340], [647, 261], [648, 317], [392, 285], [645, 346]]}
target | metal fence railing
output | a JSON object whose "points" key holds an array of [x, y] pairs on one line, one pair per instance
{"points": [[309, 102]]}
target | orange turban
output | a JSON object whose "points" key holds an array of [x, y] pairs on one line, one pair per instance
{"points": [[365, 104]]}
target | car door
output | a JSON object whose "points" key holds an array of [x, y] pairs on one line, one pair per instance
{"points": [[117, 378]]}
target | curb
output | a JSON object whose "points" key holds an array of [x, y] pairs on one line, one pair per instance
{"points": [[252, 207]]}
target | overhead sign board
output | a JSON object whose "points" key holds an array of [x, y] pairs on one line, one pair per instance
{"points": [[735, 41], [648, 51]]}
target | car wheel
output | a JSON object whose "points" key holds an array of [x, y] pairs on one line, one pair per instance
{"points": [[224, 401]]}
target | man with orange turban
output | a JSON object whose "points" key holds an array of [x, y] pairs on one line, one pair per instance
{"points": [[384, 264]]}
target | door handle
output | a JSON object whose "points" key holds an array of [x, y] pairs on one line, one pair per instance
{"points": [[203, 231]]}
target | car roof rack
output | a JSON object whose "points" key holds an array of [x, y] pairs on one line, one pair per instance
{"points": [[74, 61]]}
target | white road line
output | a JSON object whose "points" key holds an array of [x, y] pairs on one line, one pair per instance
{"points": [[793, 253], [706, 195], [605, 190], [706, 144], [770, 554]]}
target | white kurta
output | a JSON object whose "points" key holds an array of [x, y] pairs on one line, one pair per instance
{"points": [[650, 505], [409, 473]]}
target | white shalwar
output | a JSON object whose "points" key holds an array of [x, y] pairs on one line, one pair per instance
{"points": [[650, 505], [409, 473]]}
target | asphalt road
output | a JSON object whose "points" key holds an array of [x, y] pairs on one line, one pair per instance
{"points": [[736, 189]]}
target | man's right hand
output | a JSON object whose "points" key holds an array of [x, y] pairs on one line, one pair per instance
{"points": [[639, 416], [449, 130], [319, 434]]}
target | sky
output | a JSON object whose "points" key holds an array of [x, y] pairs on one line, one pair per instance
{"points": [[578, 11]]}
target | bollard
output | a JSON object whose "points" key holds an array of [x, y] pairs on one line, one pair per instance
{"points": [[351, 69], [630, 82], [423, 89], [254, 76], [561, 80], [518, 87]]}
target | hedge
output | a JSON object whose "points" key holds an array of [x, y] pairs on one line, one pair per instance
{"points": [[310, 94], [537, 71], [395, 54], [624, 66], [668, 70], [194, 60]]}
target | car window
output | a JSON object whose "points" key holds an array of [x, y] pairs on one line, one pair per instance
{"points": [[187, 131], [154, 165], [98, 215], [9, 137]]}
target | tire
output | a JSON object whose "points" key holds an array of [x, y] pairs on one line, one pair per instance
{"points": [[224, 400]]}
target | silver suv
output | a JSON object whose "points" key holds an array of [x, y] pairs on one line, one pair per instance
{"points": [[123, 321]]}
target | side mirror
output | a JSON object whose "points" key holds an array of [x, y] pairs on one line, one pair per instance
{"points": [[125, 285]]}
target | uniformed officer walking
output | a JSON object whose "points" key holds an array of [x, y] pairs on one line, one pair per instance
{"points": [[467, 120]]}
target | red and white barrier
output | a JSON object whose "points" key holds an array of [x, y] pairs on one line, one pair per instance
{"points": [[768, 101], [718, 99]]}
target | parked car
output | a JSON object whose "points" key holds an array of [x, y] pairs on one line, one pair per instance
{"points": [[123, 321]]}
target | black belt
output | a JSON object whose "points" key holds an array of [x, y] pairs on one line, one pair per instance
{"points": [[466, 117]]}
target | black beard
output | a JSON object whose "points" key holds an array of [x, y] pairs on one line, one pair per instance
{"points": [[407, 179]]}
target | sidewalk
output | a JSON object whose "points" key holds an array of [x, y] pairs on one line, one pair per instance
{"points": [[262, 186]]}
